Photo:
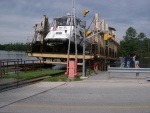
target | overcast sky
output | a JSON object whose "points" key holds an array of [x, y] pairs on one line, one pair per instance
{"points": [[17, 17]]}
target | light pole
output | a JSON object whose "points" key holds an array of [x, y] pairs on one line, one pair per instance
{"points": [[83, 66]]}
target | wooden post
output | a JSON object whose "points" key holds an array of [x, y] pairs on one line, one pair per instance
{"points": [[17, 72], [0, 69], [24, 66]]}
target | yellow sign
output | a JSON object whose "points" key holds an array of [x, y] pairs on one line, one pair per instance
{"points": [[85, 12], [107, 36], [87, 33]]}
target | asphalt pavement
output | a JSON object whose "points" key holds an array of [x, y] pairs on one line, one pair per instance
{"points": [[122, 93]]}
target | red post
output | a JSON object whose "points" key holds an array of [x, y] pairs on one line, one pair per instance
{"points": [[72, 69]]}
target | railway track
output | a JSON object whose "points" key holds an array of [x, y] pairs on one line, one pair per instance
{"points": [[22, 83]]}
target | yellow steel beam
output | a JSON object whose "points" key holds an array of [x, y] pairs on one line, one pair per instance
{"points": [[48, 55]]}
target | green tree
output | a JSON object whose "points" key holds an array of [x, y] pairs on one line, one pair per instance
{"points": [[131, 34], [141, 36], [128, 44], [15, 46], [133, 42]]}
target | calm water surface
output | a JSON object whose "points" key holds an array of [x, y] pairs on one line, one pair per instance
{"points": [[15, 55]]}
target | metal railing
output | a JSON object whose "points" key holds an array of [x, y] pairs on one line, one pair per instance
{"points": [[8, 66]]}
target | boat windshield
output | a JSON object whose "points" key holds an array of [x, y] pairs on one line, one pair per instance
{"points": [[64, 21]]}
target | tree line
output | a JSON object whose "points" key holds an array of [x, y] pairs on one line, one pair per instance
{"points": [[13, 46], [134, 43]]}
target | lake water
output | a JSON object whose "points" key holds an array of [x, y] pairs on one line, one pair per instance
{"points": [[15, 55]]}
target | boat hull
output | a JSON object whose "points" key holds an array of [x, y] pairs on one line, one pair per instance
{"points": [[61, 46]]}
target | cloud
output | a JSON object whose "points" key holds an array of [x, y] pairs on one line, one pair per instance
{"points": [[19, 16], [16, 28]]}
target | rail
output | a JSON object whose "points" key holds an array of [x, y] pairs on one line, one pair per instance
{"points": [[15, 65], [5, 63], [31, 65], [127, 70]]}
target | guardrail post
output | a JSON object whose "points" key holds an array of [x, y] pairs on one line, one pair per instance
{"points": [[137, 75]]}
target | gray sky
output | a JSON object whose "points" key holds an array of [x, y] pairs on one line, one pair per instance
{"points": [[17, 17]]}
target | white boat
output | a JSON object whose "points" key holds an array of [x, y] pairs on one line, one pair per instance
{"points": [[64, 28]]}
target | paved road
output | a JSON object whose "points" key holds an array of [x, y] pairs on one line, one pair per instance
{"points": [[123, 93]]}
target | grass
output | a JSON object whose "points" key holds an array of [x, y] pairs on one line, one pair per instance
{"points": [[38, 73], [33, 74]]}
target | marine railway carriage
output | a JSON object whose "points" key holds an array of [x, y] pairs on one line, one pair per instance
{"points": [[47, 44]]}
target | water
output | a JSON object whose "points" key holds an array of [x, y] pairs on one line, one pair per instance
{"points": [[23, 56], [15, 55]]}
